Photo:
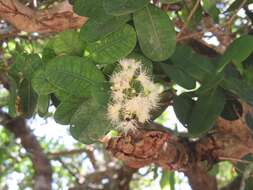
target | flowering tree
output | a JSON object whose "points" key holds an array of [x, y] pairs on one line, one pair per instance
{"points": [[113, 69]]}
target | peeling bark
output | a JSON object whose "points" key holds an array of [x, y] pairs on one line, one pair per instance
{"points": [[56, 19], [229, 139]]}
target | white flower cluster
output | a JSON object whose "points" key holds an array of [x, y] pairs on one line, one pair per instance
{"points": [[134, 95]]}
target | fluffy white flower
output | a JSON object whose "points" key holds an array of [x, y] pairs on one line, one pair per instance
{"points": [[127, 126], [129, 64], [134, 96], [138, 107], [113, 112]]}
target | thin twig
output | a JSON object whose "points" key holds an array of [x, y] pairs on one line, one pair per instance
{"points": [[232, 18], [189, 18], [235, 160], [196, 34]]}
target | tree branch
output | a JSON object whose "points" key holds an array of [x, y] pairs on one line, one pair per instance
{"points": [[229, 139], [199, 178], [26, 19], [41, 164]]}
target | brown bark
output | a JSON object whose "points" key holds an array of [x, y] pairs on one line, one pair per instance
{"points": [[41, 164], [56, 19], [199, 178], [228, 139]]}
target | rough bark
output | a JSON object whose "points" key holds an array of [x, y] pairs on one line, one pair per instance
{"points": [[41, 164], [229, 139], [56, 19], [199, 178]]}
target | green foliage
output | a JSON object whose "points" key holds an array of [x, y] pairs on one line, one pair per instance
{"points": [[66, 110], [178, 75], [155, 33], [183, 106], [122, 7], [73, 70], [28, 98], [84, 127], [68, 42], [96, 29], [41, 84], [195, 65], [90, 8], [237, 52], [43, 104], [167, 181], [115, 46], [205, 111], [73, 75], [211, 9]]}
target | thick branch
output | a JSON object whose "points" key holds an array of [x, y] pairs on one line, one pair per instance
{"points": [[56, 19], [229, 139], [41, 164], [199, 178]]}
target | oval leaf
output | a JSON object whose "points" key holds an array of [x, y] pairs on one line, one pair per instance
{"points": [[73, 75], [206, 110], [115, 46], [87, 129], [28, 99], [155, 33], [95, 29]]}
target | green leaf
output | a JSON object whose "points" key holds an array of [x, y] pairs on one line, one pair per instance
{"points": [[73, 75], [211, 82], [66, 110], [115, 46], [85, 128], [207, 108], [89, 8], [48, 52], [210, 7], [96, 29], [155, 33], [237, 52], [178, 75], [43, 105], [64, 96], [40, 83], [197, 66], [26, 65], [68, 42], [167, 181], [12, 96], [183, 106], [28, 99], [101, 93], [122, 7], [239, 88]]}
